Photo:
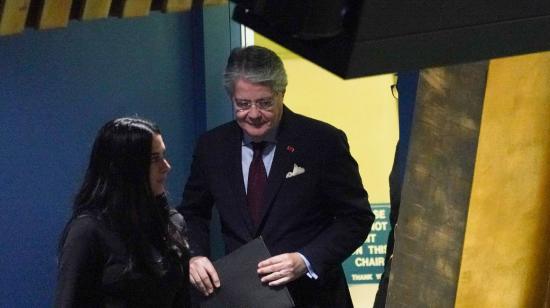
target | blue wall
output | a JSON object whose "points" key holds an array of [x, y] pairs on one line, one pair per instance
{"points": [[57, 88], [218, 29]]}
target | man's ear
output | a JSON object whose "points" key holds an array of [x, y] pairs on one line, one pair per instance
{"points": [[283, 93]]}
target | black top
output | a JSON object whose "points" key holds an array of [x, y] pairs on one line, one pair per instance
{"points": [[95, 270]]}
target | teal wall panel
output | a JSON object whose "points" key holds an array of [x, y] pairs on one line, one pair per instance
{"points": [[57, 88]]}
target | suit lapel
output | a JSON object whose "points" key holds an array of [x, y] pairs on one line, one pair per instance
{"points": [[234, 174], [282, 163]]}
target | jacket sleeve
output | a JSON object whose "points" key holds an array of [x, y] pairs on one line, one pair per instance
{"points": [[196, 206], [182, 298], [342, 189]]}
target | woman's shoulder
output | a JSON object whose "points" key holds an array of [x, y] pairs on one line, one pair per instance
{"points": [[176, 218], [85, 225], [83, 237]]}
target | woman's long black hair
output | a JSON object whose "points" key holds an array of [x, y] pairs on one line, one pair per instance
{"points": [[116, 190]]}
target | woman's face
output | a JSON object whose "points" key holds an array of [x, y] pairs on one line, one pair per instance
{"points": [[158, 171]]}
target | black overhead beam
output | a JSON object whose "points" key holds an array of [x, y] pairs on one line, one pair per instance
{"points": [[357, 38]]}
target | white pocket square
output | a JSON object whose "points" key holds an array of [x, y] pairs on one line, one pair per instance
{"points": [[296, 171]]}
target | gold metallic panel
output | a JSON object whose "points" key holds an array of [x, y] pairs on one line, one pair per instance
{"points": [[94, 9], [436, 187], [214, 2], [170, 6], [13, 15], [507, 245], [131, 8], [54, 14]]}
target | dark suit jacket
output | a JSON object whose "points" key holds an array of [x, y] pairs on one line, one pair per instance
{"points": [[322, 213]]}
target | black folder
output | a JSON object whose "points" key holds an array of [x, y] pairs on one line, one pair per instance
{"points": [[240, 283]]}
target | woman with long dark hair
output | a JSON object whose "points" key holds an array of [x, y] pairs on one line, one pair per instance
{"points": [[123, 245]]}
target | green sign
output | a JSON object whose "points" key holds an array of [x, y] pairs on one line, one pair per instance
{"points": [[366, 264]]}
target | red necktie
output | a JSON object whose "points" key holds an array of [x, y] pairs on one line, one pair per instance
{"points": [[257, 180]]}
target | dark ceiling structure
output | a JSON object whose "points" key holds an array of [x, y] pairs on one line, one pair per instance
{"points": [[354, 38]]}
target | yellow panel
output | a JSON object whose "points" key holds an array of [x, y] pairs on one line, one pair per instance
{"points": [[363, 107], [54, 14], [278, 49], [176, 5], [13, 15], [95, 9], [506, 249]]}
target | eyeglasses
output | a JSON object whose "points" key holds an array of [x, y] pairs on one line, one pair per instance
{"points": [[394, 91], [262, 104]]}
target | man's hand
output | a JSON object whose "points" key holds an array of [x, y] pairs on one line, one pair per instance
{"points": [[282, 269], [203, 275]]}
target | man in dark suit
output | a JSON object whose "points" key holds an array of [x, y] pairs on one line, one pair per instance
{"points": [[279, 175]]}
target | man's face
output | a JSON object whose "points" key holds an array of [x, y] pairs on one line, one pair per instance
{"points": [[258, 109]]}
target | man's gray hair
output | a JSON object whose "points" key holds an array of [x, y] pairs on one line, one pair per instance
{"points": [[257, 65]]}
